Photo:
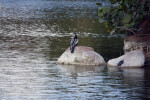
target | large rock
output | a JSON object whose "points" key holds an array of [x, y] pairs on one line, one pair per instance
{"points": [[133, 45], [81, 56], [141, 39], [134, 58]]}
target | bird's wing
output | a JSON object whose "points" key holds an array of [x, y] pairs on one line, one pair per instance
{"points": [[71, 41], [76, 42]]}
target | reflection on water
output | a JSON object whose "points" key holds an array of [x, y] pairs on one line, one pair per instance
{"points": [[132, 81], [34, 33]]}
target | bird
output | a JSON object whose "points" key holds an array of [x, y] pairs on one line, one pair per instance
{"points": [[74, 43]]}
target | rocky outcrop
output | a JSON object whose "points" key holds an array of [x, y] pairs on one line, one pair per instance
{"points": [[134, 58], [82, 56], [133, 43], [141, 39]]}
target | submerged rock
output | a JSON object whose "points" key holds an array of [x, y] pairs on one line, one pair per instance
{"points": [[81, 56], [134, 58]]}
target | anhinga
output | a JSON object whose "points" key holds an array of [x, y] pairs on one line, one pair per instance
{"points": [[73, 43]]}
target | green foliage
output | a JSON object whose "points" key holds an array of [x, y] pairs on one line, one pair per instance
{"points": [[127, 19], [122, 13]]}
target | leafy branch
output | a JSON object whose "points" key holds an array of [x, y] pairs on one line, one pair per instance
{"points": [[123, 14]]}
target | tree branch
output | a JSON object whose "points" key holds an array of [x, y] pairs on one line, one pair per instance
{"points": [[123, 28]]}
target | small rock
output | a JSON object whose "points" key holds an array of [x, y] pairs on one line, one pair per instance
{"points": [[81, 56], [134, 58]]}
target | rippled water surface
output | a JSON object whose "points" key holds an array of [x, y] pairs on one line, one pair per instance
{"points": [[34, 33]]}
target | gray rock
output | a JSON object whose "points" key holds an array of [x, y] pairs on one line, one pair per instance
{"points": [[81, 56], [134, 58]]}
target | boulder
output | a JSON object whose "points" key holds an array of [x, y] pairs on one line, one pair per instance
{"points": [[134, 58], [82, 56]]}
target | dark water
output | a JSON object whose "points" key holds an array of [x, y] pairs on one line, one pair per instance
{"points": [[34, 33]]}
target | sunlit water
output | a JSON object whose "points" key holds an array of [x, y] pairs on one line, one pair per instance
{"points": [[34, 33]]}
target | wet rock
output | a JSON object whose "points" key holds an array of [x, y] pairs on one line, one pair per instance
{"points": [[81, 56], [134, 45], [134, 58]]}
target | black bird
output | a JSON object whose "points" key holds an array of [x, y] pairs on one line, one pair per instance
{"points": [[73, 43]]}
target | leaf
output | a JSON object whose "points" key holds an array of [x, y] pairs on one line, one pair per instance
{"points": [[101, 20], [113, 1], [120, 14], [99, 4], [125, 2], [106, 24], [127, 26], [132, 24], [119, 6], [127, 19], [100, 14], [114, 11], [100, 10], [106, 9]]}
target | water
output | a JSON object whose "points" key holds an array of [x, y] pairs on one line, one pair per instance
{"points": [[34, 33]]}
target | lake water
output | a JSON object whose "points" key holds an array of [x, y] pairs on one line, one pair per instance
{"points": [[34, 33]]}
